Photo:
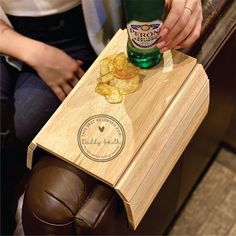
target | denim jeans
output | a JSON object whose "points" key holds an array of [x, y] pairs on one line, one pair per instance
{"points": [[26, 101]]}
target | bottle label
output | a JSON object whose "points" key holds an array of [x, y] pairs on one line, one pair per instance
{"points": [[144, 35]]}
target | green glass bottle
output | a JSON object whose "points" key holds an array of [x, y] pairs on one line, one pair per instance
{"points": [[143, 20]]}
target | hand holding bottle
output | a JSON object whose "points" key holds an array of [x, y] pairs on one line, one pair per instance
{"points": [[182, 26]]}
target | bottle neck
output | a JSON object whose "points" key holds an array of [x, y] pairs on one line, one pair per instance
{"points": [[144, 10]]}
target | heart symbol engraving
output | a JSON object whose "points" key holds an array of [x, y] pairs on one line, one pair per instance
{"points": [[101, 128]]}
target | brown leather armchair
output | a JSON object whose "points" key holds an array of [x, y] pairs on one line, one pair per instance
{"points": [[60, 199]]}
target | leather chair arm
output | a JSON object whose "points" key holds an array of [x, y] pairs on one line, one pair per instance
{"points": [[54, 194], [60, 199], [210, 46], [100, 207], [212, 11]]}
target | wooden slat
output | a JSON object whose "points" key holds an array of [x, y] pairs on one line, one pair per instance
{"points": [[83, 102], [166, 158], [30, 153], [135, 210], [145, 158]]}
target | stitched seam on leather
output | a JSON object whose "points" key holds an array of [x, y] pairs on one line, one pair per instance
{"points": [[84, 221], [102, 211], [48, 223], [212, 6], [85, 195], [217, 49], [223, 8], [88, 196], [219, 46], [50, 194]]}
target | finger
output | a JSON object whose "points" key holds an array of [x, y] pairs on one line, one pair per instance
{"points": [[66, 88], [59, 93], [193, 36], [73, 81], [177, 8], [179, 26], [184, 33], [161, 44], [80, 73], [164, 49], [80, 62], [167, 5]]}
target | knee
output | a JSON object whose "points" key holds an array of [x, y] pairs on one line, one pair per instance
{"points": [[26, 128], [33, 108], [7, 125], [29, 122]]}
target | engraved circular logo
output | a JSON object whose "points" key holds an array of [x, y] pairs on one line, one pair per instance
{"points": [[101, 138]]}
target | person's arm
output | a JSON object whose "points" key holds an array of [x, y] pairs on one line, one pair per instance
{"points": [[182, 26], [56, 68]]}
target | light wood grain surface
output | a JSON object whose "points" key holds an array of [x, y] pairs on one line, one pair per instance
{"points": [[164, 147], [159, 120], [138, 114]]}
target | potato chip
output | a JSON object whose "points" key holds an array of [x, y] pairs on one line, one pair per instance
{"points": [[127, 86], [106, 78], [120, 61], [118, 77], [106, 65], [111, 93], [129, 71], [111, 67], [103, 89], [115, 97]]}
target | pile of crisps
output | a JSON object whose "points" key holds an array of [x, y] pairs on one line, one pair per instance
{"points": [[118, 77]]}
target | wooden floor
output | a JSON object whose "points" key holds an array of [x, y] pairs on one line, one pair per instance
{"points": [[211, 209]]}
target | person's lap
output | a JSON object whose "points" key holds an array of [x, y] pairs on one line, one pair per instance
{"points": [[30, 104], [34, 101], [26, 105], [25, 112], [27, 102], [34, 104]]}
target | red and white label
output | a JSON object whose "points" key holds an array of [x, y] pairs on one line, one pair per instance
{"points": [[144, 35]]}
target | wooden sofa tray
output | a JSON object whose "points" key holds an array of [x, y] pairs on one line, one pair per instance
{"points": [[134, 145]]}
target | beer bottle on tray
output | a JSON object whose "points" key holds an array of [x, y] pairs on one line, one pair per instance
{"points": [[143, 20]]}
